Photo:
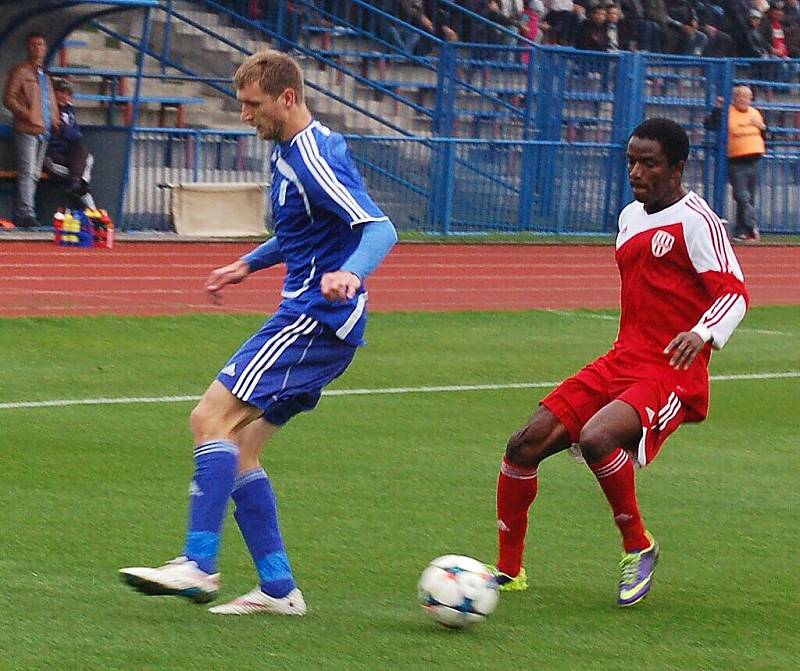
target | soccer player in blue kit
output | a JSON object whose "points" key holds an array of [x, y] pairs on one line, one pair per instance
{"points": [[331, 235]]}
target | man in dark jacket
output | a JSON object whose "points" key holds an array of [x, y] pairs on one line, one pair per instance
{"points": [[68, 158]]}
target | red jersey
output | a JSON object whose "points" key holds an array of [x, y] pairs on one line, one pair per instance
{"points": [[678, 273]]}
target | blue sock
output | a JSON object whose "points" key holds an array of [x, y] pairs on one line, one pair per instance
{"points": [[257, 517], [216, 464]]}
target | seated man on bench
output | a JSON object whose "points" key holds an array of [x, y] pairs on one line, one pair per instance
{"points": [[68, 158]]}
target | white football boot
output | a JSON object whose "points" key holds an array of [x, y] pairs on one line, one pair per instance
{"points": [[256, 602], [179, 577]]}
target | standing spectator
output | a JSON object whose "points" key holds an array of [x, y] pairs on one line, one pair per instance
{"points": [[67, 156], [30, 98], [746, 133]]}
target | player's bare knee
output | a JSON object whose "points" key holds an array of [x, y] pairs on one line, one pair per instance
{"points": [[201, 421], [524, 448], [596, 442]]}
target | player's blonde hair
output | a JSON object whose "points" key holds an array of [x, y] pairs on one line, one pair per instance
{"points": [[273, 70]]}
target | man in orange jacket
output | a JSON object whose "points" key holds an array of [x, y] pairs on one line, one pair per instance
{"points": [[30, 98], [746, 131]]}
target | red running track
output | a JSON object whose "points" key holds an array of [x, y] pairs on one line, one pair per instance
{"points": [[145, 278]]}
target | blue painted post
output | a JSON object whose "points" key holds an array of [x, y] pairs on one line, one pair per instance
{"points": [[165, 47], [527, 186], [632, 101], [620, 123], [721, 176], [441, 195], [280, 26], [549, 113], [147, 22]]}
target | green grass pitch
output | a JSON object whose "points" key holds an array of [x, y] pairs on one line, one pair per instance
{"points": [[371, 487]]}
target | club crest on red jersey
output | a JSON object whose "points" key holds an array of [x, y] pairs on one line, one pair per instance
{"points": [[661, 243]]}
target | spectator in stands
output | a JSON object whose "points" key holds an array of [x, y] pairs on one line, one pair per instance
{"points": [[791, 33], [613, 16], [747, 132], [720, 44], [592, 34], [772, 28], [428, 17], [529, 26], [557, 12], [755, 46], [655, 13], [736, 22], [494, 11], [68, 158], [791, 12], [30, 98], [570, 24], [439, 16], [396, 34], [637, 34], [688, 39]]}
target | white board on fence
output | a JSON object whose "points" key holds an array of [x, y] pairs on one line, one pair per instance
{"points": [[219, 210]]}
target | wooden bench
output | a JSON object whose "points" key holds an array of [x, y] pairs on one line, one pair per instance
{"points": [[177, 103]]}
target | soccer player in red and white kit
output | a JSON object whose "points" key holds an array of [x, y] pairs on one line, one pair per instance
{"points": [[682, 295]]}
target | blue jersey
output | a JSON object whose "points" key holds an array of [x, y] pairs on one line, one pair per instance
{"points": [[318, 202]]}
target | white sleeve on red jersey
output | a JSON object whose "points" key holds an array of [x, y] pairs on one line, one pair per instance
{"points": [[712, 256]]}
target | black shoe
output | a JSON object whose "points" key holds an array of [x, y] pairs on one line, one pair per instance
{"points": [[28, 222]]}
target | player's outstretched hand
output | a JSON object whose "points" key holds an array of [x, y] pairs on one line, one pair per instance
{"points": [[339, 285], [231, 274], [684, 348]]}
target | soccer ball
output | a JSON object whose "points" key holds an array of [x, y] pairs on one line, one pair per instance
{"points": [[457, 591]]}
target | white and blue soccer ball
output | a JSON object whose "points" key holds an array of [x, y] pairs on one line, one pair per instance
{"points": [[457, 591]]}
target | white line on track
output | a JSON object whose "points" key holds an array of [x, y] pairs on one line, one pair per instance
{"points": [[58, 403]]}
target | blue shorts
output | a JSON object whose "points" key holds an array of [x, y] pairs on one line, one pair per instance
{"points": [[284, 366]]}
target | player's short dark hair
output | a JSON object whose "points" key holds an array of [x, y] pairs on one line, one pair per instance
{"points": [[670, 135], [273, 70], [33, 34]]}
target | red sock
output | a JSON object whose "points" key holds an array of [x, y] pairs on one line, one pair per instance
{"points": [[516, 490], [618, 481]]}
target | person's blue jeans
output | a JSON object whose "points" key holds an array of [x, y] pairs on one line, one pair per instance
{"points": [[743, 177], [30, 157]]}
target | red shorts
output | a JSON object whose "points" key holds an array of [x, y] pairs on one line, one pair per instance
{"points": [[579, 397]]}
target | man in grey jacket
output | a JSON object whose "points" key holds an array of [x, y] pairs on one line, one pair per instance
{"points": [[30, 98]]}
